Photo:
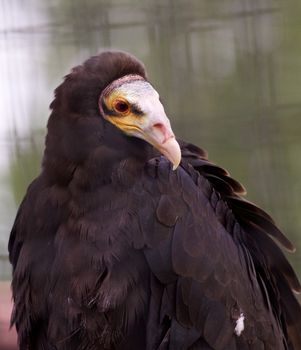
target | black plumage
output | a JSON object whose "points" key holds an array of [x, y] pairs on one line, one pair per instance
{"points": [[112, 249]]}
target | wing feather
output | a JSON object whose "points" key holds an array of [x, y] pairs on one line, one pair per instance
{"points": [[222, 258]]}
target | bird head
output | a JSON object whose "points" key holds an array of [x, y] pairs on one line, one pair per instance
{"points": [[103, 110], [133, 106]]}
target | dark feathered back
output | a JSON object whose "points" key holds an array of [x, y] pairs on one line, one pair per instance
{"points": [[275, 274]]}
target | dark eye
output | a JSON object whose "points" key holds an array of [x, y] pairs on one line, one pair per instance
{"points": [[121, 106]]}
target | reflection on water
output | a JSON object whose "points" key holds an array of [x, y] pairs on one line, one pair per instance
{"points": [[229, 73]]}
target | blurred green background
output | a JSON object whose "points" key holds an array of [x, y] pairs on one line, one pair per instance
{"points": [[228, 72]]}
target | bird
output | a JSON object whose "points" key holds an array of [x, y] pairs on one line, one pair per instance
{"points": [[130, 238]]}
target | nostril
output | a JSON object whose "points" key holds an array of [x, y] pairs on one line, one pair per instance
{"points": [[163, 130], [159, 126]]}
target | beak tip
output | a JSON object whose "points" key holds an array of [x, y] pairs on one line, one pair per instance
{"points": [[172, 151]]}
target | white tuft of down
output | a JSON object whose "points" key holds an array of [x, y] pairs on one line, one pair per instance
{"points": [[240, 326]]}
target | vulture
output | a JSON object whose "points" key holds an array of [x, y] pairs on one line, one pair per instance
{"points": [[131, 239]]}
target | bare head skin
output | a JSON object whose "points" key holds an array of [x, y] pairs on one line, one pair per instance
{"points": [[133, 106]]}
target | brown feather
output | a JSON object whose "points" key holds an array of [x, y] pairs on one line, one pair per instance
{"points": [[111, 249]]}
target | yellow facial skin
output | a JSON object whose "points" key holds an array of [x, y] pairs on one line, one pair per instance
{"points": [[134, 107], [127, 121]]}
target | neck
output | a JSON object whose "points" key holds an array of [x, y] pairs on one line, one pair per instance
{"points": [[89, 146], [108, 165], [119, 159]]}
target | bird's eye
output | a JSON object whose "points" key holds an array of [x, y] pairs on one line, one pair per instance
{"points": [[121, 106]]}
